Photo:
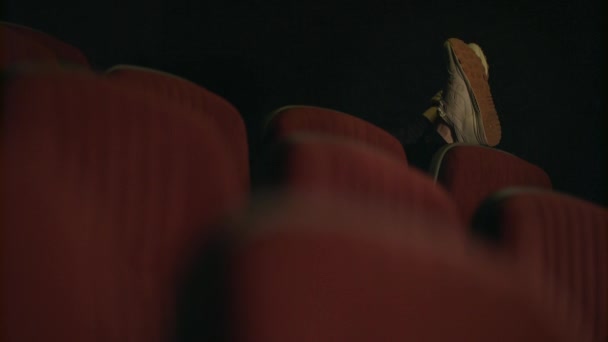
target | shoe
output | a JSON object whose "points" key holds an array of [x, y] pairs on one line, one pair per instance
{"points": [[484, 61], [466, 101]]}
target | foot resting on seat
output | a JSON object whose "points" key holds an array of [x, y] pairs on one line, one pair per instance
{"points": [[465, 104]]}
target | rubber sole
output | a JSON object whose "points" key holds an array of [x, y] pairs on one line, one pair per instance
{"points": [[477, 82]]}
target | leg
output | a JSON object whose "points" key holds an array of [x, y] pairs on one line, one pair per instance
{"points": [[462, 112]]}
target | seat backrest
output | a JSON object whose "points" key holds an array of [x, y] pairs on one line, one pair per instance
{"points": [[562, 238], [196, 99], [470, 173], [19, 45], [292, 119], [309, 162], [106, 196], [315, 269], [17, 48]]}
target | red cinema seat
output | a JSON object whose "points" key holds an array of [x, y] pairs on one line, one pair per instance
{"points": [[314, 269], [105, 198], [293, 119], [562, 238], [24, 44], [17, 48], [470, 173], [197, 99], [319, 163]]}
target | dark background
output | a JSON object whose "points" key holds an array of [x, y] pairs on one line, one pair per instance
{"points": [[380, 60]]}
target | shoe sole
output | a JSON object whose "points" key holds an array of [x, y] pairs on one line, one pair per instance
{"points": [[477, 82]]}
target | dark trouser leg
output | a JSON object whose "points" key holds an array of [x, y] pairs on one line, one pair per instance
{"points": [[420, 141]]}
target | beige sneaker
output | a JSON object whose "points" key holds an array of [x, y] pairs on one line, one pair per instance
{"points": [[484, 61], [466, 101]]}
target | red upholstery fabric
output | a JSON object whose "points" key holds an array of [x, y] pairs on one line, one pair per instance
{"points": [[107, 194], [21, 39], [352, 169], [470, 173], [17, 48], [292, 119], [196, 99], [314, 271], [563, 238]]}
